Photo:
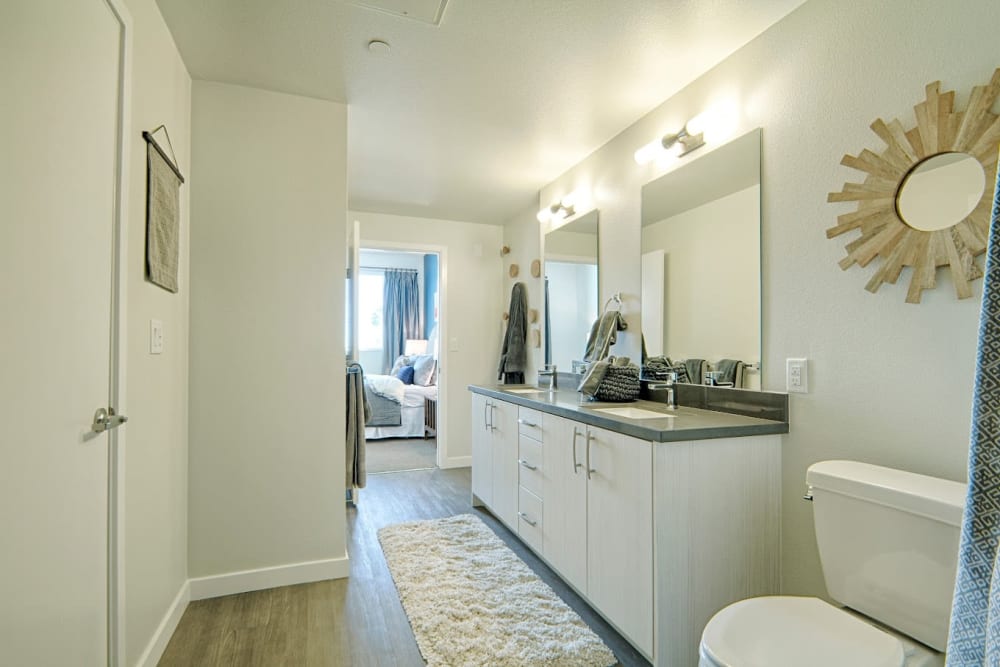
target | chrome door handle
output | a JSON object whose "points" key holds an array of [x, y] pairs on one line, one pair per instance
{"points": [[590, 437], [105, 419], [527, 423], [576, 465], [527, 465], [526, 519]]}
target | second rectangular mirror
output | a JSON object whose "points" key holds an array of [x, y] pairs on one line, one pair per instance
{"points": [[571, 289], [701, 259]]}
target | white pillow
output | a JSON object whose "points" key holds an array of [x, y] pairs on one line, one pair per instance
{"points": [[423, 370], [401, 360]]}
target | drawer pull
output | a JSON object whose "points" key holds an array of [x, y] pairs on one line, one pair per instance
{"points": [[527, 423], [527, 465], [527, 520]]}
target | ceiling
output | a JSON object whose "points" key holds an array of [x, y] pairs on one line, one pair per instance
{"points": [[467, 119]]}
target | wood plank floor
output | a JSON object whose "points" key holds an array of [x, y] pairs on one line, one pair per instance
{"points": [[356, 621]]}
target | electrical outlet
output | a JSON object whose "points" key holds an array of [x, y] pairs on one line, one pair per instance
{"points": [[155, 337], [797, 375]]}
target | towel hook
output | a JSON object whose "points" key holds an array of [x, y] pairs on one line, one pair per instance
{"points": [[615, 298]]}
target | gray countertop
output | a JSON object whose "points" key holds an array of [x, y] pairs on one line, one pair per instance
{"points": [[684, 423]]}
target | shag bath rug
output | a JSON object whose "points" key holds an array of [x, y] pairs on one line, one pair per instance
{"points": [[472, 601]]}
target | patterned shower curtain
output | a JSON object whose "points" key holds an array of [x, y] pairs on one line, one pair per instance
{"points": [[400, 313], [975, 614]]}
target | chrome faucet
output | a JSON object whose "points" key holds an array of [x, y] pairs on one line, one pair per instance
{"points": [[669, 385], [549, 371]]}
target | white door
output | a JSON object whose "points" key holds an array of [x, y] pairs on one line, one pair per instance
{"points": [[620, 533], [59, 128], [565, 507]]}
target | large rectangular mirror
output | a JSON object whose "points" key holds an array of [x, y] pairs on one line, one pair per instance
{"points": [[701, 260], [571, 289]]}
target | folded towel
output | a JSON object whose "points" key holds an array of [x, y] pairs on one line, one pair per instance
{"points": [[603, 334], [657, 368], [730, 370]]}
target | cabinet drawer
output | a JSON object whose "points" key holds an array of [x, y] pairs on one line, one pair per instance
{"points": [[531, 423], [529, 518], [529, 464]]}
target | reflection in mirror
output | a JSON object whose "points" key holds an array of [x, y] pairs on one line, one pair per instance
{"points": [[941, 191], [571, 289], [701, 259]]}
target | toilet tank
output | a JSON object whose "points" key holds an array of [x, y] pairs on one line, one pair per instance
{"points": [[888, 544]]}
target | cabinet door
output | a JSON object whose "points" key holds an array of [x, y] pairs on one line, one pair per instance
{"points": [[504, 443], [482, 452], [620, 532], [565, 493]]}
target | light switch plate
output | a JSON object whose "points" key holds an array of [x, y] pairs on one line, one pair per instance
{"points": [[797, 376], [155, 337]]}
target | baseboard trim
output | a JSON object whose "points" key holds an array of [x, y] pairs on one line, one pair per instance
{"points": [[269, 577], [457, 462], [158, 644]]}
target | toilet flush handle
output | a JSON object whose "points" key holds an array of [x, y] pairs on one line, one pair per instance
{"points": [[809, 494]]}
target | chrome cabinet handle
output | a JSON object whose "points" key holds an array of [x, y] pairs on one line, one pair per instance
{"points": [[527, 423], [590, 437], [576, 465], [526, 519], [527, 465], [493, 426], [486, 406]]}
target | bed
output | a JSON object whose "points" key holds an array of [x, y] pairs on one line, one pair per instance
{"points": [[398, 409]]}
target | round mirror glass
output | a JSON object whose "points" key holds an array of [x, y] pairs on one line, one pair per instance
{"points": [[941, 191]]}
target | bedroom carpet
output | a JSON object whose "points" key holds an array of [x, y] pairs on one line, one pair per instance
{"points": [[397, 454], [472, 601]]}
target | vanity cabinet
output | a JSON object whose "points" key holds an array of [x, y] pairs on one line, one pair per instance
{"points": [[494, 456], [599, 521]]}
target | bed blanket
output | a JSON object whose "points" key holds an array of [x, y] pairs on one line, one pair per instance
{"points": [[384, 394]]}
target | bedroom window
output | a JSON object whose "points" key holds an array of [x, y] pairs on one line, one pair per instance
{"points": [[370, 287]]}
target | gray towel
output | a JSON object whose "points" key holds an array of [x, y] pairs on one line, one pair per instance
{"points": [[595, 374], [514, 355], [358, 413], [604, 334], [696, 370], [162, 221], [730, 371]]}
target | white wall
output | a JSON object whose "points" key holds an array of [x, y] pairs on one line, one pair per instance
{"points": [[891, 383], [268, 211], [522, 234], [470, 329], [156, 466], [712, 302]]}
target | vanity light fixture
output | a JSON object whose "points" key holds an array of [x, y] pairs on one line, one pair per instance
{"points": [[688, 138], [562, 209]]}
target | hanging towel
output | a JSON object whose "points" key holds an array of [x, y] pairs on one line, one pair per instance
{"points": [[695, 369], [514, 355], [358, 413], [975, 614], [604, 334], [730, 370], [162, 221]]}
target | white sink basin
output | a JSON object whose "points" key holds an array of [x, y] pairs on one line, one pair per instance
{"points": [[634, 413], [526, 390]]}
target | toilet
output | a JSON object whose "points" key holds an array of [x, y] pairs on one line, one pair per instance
{"points": [[888, 545]]}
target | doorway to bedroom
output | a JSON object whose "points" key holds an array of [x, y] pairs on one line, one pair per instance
{"points": [[398, 307]]}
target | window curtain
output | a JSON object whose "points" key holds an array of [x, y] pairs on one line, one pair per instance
{"points": [[975, 614], [401, 313]]}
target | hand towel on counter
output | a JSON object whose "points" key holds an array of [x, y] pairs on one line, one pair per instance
{"points": [[514, 355], [604, 334]]}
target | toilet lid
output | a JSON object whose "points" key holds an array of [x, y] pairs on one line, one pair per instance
{"points": [[784, 631]]}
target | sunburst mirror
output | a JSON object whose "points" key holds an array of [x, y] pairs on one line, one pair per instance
{"points": [[925, 202]]}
